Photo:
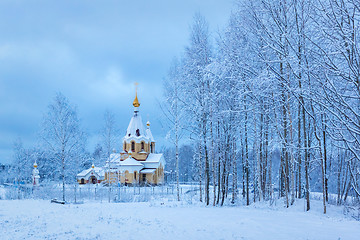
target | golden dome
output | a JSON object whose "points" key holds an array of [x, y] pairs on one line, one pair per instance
{"points": [[136, 102], [35, 165]]}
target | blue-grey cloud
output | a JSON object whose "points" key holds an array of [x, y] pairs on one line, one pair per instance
{"points": [[92, 52]]}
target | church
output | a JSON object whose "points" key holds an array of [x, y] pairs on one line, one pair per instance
{"points": [[136, 164]]}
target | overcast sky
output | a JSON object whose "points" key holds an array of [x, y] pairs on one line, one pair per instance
{"points": [[92, 52]]}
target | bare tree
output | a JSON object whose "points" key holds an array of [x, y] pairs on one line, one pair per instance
{"points": [[63, 138], [109, 133], [173, 112]]}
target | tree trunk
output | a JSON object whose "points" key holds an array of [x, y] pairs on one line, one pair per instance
{"points": [[177, 163], [306, 159], [234, 183], [246, 154], [200, 170], [63, 174]]}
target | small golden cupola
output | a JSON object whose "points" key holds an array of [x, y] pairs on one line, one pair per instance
{"points": [[136, 101]]}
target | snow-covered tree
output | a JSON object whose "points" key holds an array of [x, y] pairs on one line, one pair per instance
{"points": [[63, 138], [109, 133], [173, 111]]}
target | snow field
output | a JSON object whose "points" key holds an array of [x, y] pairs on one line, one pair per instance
{"points": [[40, 219]]}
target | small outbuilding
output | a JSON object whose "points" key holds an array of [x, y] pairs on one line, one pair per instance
{"points": [[92, 175]]}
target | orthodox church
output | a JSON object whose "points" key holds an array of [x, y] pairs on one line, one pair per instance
{"points": [[137, 163]]}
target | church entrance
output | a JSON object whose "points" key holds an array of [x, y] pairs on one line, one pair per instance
{"points": [[93, 180]]}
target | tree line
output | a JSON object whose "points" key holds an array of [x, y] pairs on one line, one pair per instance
{"points": [[60, 151], [271, 103]]}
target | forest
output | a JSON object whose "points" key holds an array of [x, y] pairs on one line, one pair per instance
{"points": [[271, 103]]}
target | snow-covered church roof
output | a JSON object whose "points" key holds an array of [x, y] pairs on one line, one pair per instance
{"points": [[131, 162], [92, 171], [136, 130], [136, 127], [148, 132], [152, 161]]}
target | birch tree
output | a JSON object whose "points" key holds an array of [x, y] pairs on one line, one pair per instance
{"points": [[63, 138], [172, 110]]}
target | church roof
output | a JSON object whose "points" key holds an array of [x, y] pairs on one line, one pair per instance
{"points": [[98, 170], [115, 157], [152, 162], [148, 132], [136, 128], [148, 170], [154, 157], [130, 162]]}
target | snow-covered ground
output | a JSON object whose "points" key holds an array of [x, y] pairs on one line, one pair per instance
{"points": [[40, 219]]}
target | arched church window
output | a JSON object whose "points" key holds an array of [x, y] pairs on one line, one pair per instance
{"points": [[133, 146], [137, 132], [151, 148], [142, 145]]}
